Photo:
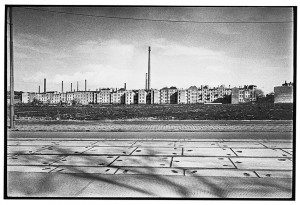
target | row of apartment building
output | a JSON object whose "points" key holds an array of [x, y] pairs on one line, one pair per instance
{"points": [[171, 95]]}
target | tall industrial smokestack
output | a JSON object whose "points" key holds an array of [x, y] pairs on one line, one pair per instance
{"points": [[146, 83], [77, 85], [71, 87], [149, 74], [39, 89], [84, 85], [62, 86], [44, 85], [125, 86]]}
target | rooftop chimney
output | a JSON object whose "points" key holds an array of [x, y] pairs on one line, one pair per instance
{"points": [[84, 85], [149, 74], [44, 85], [125, 86]]}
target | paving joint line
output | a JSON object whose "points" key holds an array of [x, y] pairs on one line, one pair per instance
{"points": [[86, 150], [113, 161], [171, 162], [286, 151], [263, 144], [80, 191], [117, 169], [233, 163], [256, 174], [133, 143], [130, 154], [233, 152]]}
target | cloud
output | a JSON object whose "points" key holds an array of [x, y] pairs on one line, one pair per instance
{"points": [[28, 46], [111, 52], [37, 77], [169, 48], [97, 75]]}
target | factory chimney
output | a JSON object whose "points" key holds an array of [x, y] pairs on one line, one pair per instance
{"points": [[62, 86], [84, 85], [149, 74], [146, 83], [39, 89], [77, 85], [44, 85], [71, 87], [125, 86]]}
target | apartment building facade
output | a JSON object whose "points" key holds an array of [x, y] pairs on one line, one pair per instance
{"points": [[130, 97], [243, 94], [102, 96], [172, 95], [182, 96]]}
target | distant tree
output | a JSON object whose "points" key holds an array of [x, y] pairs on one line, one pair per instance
{"points": [[259, 93], [74, 102], [36, 102], [269, 98], [225, 100]]}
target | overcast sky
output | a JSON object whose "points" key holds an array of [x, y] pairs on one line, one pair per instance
{"points": [[108, 52]]}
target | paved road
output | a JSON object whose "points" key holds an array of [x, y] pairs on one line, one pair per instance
{"points": [[238, 165]]}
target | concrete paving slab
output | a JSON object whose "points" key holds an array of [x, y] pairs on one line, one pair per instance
{"points": [[17, 150], [263, 163], [279, 140], [154, 144], [34, 184], [202, 162], [56, 150], [174, 151], [33, 159], [241, 144], [285, 145], [141, 161], [31, 143], [290, 151], [117, 143], [85, 170], [201, 140], [208, 152], [21, 168], [76, 143], [187, 187], [196, 144], [219, 172], [110, 150], [13, 143], [159, 139], [37, 143], [260, 152], [243, 140], [274, 174], [86, 160], [150, 171]]}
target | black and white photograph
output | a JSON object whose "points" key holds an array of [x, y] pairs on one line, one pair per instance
{"points": [[149, 102]]}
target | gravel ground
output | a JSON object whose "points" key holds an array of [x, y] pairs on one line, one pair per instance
{"points": [[156, 126]]}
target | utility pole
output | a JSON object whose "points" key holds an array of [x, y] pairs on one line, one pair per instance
{"points": [[11, 62], [149, 50]]}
